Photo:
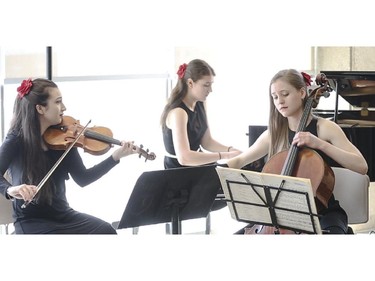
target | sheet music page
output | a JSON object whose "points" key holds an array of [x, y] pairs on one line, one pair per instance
{"points": [[293, 199], [297, 198], [245, 191]]}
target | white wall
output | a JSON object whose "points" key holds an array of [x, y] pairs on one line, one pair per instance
{"points": [[131, 106], [271, 25]]}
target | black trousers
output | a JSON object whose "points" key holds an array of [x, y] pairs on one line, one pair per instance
{"points": [[72, 222]]}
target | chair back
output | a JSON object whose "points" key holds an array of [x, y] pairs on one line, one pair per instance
{"points": [[352, 191], [6, 211]]}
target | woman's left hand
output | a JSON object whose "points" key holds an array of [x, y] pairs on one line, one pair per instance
{"points": [[127, 148], [306, 139]]}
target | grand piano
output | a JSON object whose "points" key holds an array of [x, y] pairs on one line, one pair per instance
{"points": [[357, 88]]}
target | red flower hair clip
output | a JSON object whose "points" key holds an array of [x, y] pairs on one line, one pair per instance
{"points": [[25, 87], [306, 78], [181, 70]]}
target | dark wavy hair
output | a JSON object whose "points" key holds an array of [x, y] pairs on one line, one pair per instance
{"points": [[195, 70], [26, 124]]}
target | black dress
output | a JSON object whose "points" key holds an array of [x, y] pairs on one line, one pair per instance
{"points": [[196, 128], [334, 219], [58, 217]]}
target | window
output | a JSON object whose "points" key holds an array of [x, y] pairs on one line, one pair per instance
{"points": [[124, 88]]}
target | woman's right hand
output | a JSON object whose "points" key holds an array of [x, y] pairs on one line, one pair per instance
{"points": [[230, 154], [23, 191]]}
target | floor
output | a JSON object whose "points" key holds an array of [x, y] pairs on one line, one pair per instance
{"points": [[220, 221], [223, 224]]}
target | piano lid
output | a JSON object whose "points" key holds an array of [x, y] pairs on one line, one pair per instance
{"points": [[356, 87]]}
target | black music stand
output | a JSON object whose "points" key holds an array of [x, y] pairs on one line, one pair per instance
{"points": [[171, 195], [272, 200]]}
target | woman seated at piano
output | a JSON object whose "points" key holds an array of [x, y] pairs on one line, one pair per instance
{"points": [[184, 120], [288, 96], [186, 133]]}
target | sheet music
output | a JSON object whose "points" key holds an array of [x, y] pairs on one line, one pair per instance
{"points": [[246, 195]]}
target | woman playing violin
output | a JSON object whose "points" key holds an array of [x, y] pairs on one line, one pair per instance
{"points": [[25, 159], [288, 94]]}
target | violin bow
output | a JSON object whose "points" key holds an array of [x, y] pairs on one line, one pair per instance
{"points": [[46, 177]]}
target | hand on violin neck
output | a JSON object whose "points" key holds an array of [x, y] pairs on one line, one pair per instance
{"points": [[127, 148]]}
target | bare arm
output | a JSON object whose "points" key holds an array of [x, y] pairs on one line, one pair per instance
{"points": [[258, 150], [334, 143], [210, 144], [177, 121]]}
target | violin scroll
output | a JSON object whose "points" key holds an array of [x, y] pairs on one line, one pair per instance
{"points": [[146, 154]]}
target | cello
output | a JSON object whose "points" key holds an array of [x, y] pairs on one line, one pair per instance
{"points": [[298, 162]]}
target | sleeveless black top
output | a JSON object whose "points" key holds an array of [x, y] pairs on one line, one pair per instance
{"points": [[333, 204], [196, 128], [312, 128]]}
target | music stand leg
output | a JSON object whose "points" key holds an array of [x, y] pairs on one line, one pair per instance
{"points": [[168, 228], [135, 230], [175, 221], [208, 224]]}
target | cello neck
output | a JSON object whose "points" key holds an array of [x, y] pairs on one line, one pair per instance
{"points": [[293, 150], [305, 115]]}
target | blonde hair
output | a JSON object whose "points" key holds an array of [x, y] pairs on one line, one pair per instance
{"points": [[278, 124]]}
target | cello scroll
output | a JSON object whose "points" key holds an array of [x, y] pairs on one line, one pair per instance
{"points": [[324, 89]]}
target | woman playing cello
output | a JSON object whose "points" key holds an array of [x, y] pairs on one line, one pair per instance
{"points": [[288, 95]]}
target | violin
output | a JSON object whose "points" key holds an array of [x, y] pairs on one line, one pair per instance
{"points": [[95, 140], [70, 133], [302, 163]]}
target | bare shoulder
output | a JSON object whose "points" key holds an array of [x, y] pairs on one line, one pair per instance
{"points": [[326, 123], [177, 111], [328, 129], [176, 116]]}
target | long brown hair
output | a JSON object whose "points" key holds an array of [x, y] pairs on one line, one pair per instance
{"points": [[278, 124], [195, 70], [26, 124]]}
